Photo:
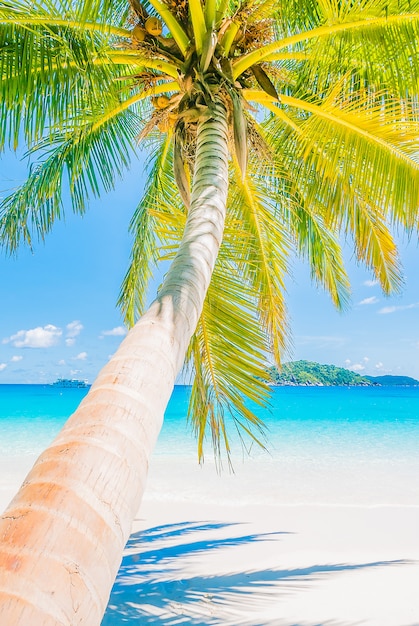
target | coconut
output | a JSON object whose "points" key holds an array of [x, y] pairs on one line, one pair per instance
{"points": [[161, 102], [138, 33], [153, 26]]}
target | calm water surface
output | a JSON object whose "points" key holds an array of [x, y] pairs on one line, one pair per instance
{"points": [[365, 438], [373, 420]]}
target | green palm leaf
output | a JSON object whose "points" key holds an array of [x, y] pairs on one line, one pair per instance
{"points": [[228, 357], [47, 73], [322, 195], [32, 208], [156, 229], [263, 254]]}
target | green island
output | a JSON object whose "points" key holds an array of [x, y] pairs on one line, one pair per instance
{"points": [[316, 374]]}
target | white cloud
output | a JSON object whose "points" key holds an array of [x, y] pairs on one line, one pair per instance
{"points": [[74, 372], [370, 283], [392, 309], [16, 358], [379, 365], [72, 331], [357, 367], [3, 366], [74, 328], [62, 362], [82, 356], [119, 331], [387, 309], [36, 337], [372, 300]]}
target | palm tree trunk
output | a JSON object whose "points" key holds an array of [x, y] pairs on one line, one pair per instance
{"points": [[63, 534]]}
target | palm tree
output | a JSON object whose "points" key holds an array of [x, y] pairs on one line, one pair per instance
{"points": [[274, 127]]}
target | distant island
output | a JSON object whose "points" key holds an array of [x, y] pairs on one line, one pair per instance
{"points": [[70, 382], [394, 380], [309, 373]]}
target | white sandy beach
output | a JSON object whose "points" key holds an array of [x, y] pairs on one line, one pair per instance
{"points": [[238, 550]]}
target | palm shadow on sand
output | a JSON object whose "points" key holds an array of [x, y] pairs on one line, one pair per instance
{"points": [[152, 589]]}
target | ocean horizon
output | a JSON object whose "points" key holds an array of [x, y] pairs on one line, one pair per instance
{"points": [[346, 445]]}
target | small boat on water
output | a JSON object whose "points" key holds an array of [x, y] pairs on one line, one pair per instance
{"points": [[70, 382]]}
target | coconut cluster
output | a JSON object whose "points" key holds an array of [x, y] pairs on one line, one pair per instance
{"points": [[152, 26]]}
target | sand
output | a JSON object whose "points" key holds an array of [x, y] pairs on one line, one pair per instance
{"points": [[211, 550], [295, 565]]}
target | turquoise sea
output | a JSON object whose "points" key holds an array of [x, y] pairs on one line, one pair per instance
{"points": [[346, 444]]}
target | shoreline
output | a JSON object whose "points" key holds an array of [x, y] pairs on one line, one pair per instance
{"points": [[263, 480]]}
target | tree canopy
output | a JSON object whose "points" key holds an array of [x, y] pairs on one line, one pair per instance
{"points": [[311, 373]]}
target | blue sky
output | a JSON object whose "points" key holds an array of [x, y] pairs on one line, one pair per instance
{"points": [[58, 313]]}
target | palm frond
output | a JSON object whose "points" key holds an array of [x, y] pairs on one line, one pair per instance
{"points": [[48, 15], [296, 16], [402, 27], [262, 251], [317, 243], [368, 145], [327, 203], [91, 159], [46, 74], [104, 12], [362, 54], [157, 227], [228, 356], [294, 214]]}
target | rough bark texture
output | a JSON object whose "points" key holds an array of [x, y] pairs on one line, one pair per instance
{"points": [[63, 534]]}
